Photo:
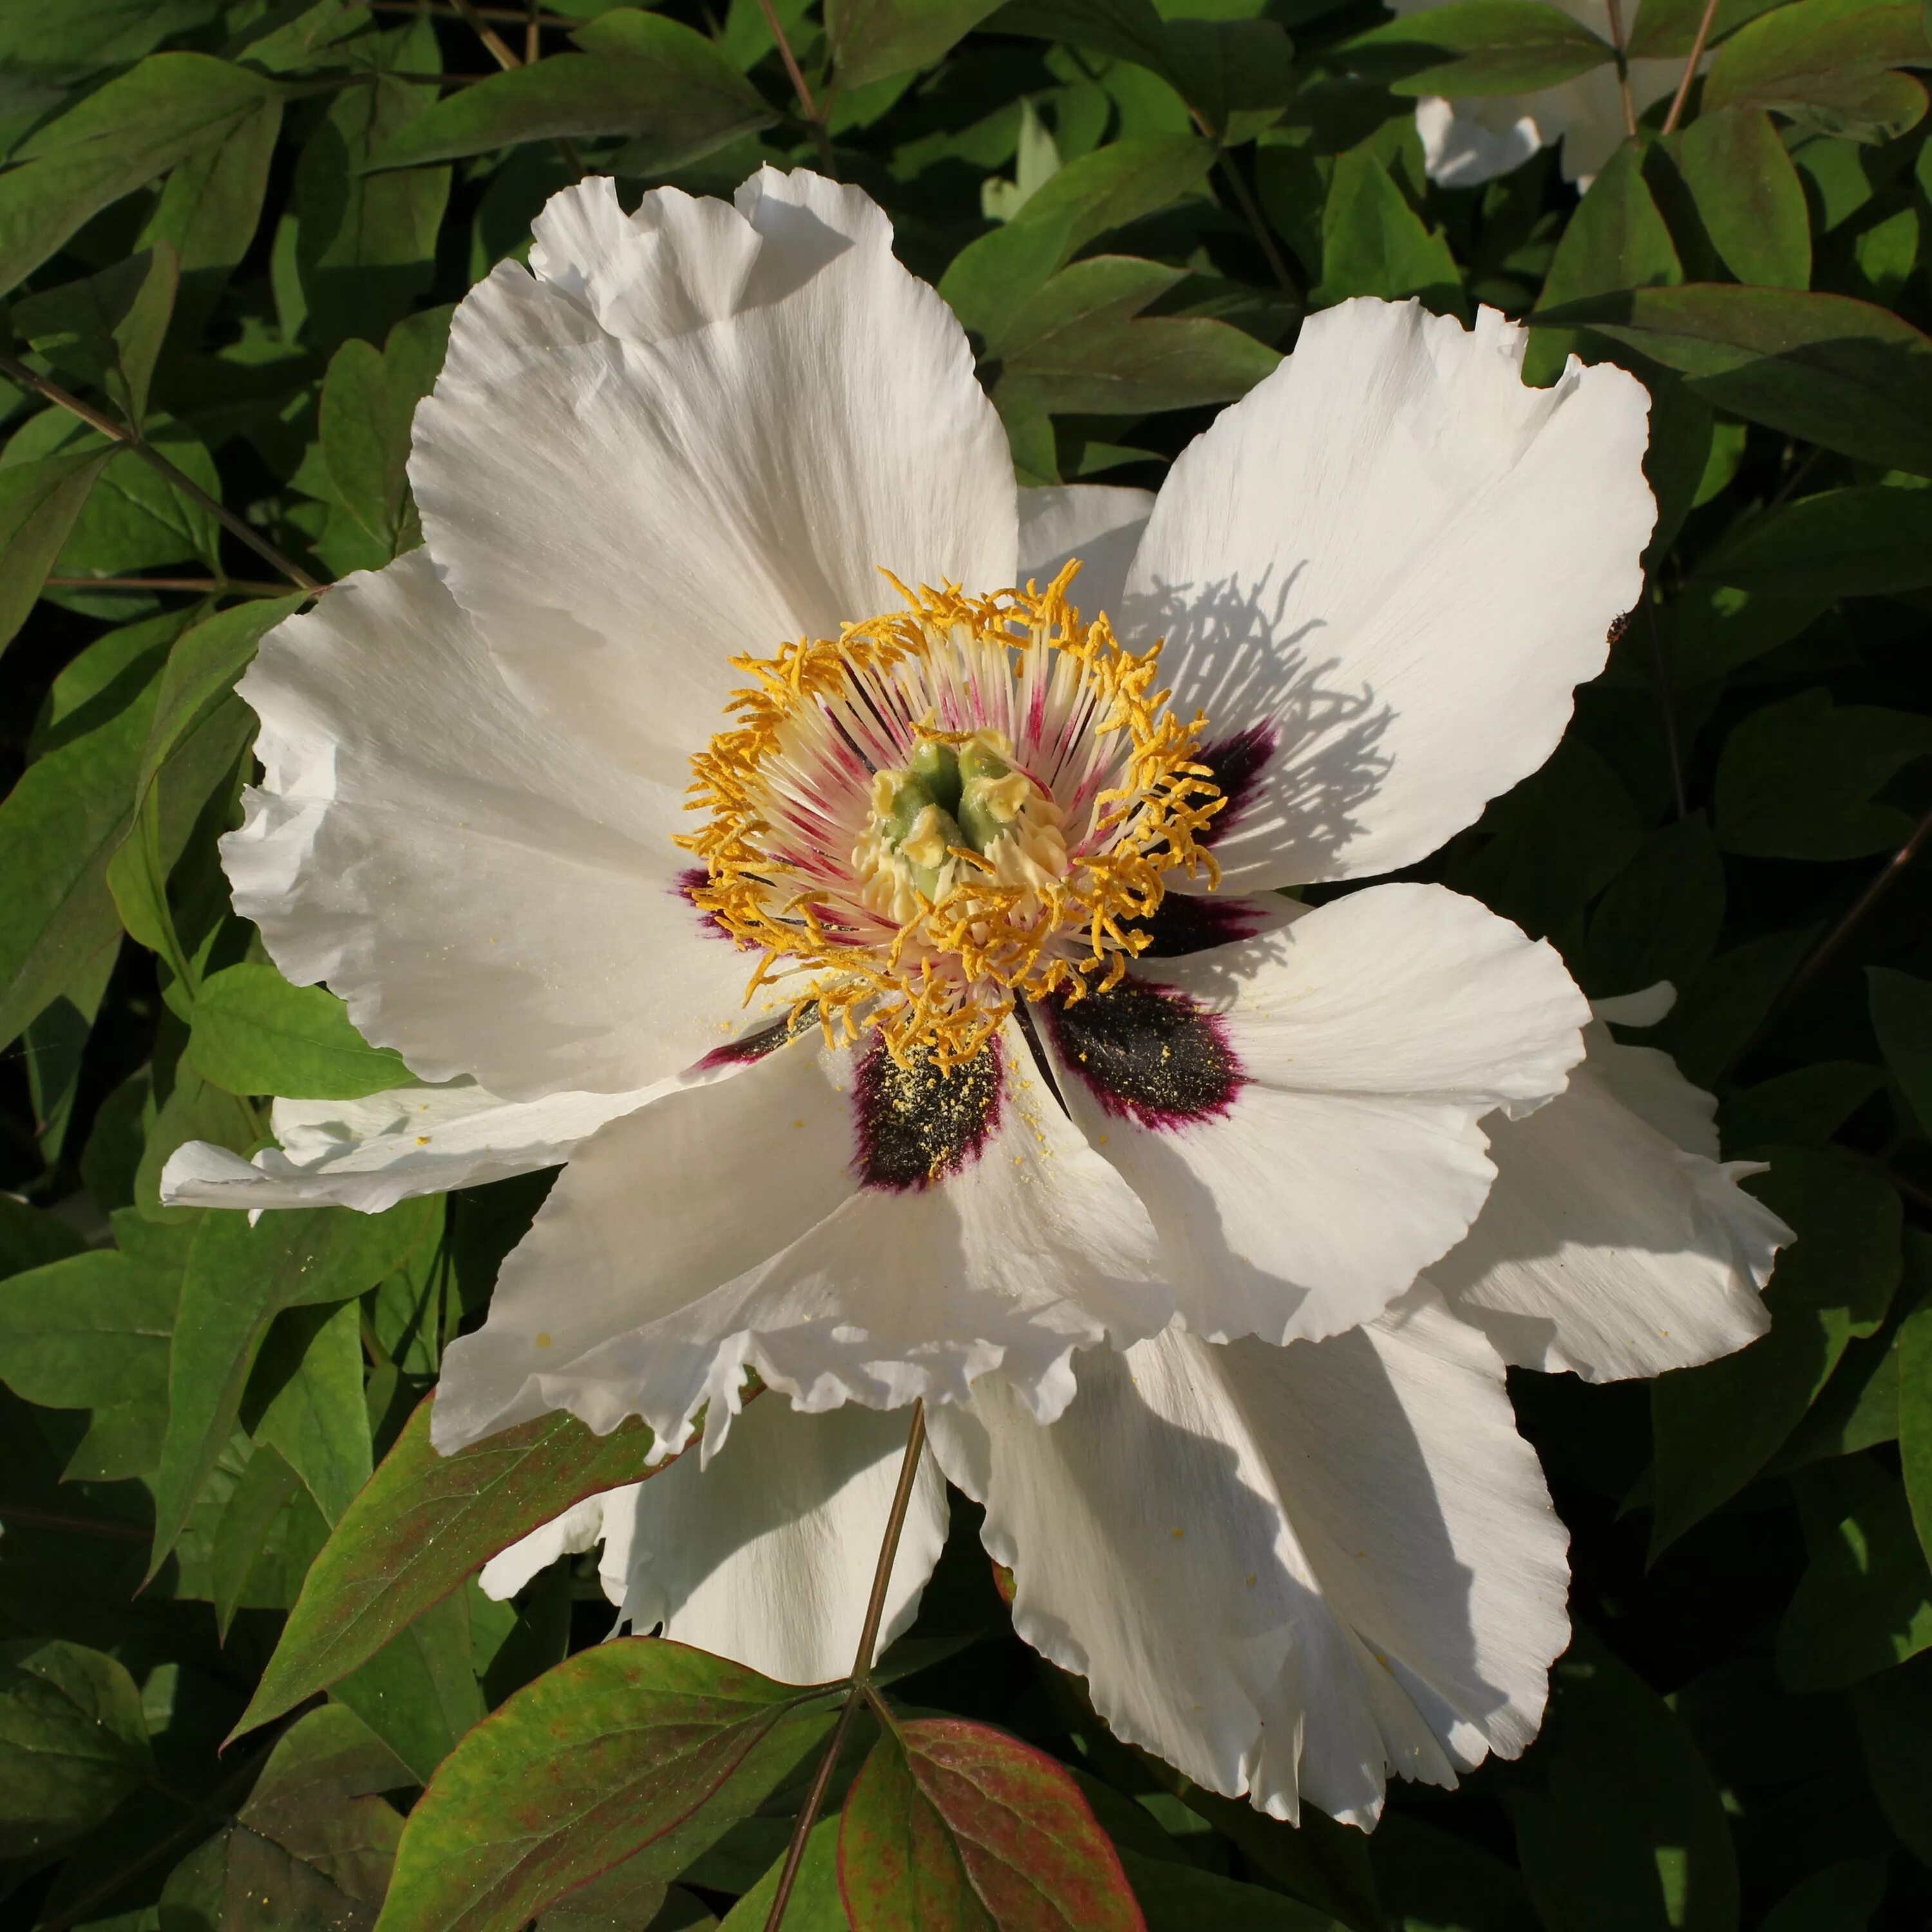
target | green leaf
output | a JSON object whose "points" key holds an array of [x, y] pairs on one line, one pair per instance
{"points": [[1894, 1716], [1800, 780], [92, 1332], [872, 40], [956, 1824], [39, 503], [249, 1557], [1626, 1832], [638, 1743], [1841, 1898], [307, 1382], [815, 1904], [1868, 541], [209, 211], [1076, 344], [1748, 197], [1805, 1107], [1901, 1015], [73, 1743], [107, 331], [1374, 244], [423, 1524], [1114, 185], [1826, 61], [365, 243], [1660, 916], [1237, 75], [1716, 1426], [255, 1033], [31, 1237], [1914, 1388], [368, 403], [112, 142], [1480, 46], [238, 1279], [1865, 1604], [652, 80], [418, 1693], [1846, 374]]}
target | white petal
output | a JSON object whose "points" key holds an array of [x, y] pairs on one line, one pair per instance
{"points": [[700, 430], [1461, 148], [491, 898], [1099, 522], [1341, 1154], [370, 1153], [579, 1527], [735, 1225], [1287, 1571], [1607, 1247], [1382, 573], [767, 1555]]}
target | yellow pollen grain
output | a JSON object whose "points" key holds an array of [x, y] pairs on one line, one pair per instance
{"points": [[999, 942], [422, 1140], [543, 1341], [1177, 1534]]}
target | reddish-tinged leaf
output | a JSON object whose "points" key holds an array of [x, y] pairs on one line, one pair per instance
{"points": [[421, 1524], [953, 1827], [641, 1749]]}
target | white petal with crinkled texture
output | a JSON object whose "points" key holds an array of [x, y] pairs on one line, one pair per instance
{"points": [[491, 898], [697, 431], [1371, 1034], [1287, 1571], [1380, 574], [767, 1555], [1100, 523], [370, 1153], [731, 1226], [1607, 1246], [1464, 150], [579, 1527]]}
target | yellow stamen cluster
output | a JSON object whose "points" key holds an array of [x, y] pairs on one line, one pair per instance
{"points": [[944, 981]]}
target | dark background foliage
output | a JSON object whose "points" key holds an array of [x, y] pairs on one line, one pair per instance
{"points": [[231, 235]]}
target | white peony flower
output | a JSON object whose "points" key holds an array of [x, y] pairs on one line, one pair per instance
{"points": [[909, 1052], [1475, 138]]}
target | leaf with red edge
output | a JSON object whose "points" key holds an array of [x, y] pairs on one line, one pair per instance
{"points": [[953, 1827], [421, 1525], [641, 1750]]}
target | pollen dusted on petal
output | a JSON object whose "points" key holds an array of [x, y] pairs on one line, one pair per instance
{"points": [[953, 806]]}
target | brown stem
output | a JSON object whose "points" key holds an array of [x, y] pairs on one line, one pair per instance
{"points": [[1251, 211], [533, 35], [500, 49], [1821, 955], [245, 587], [862, 1666], [19, 372], [814, 117], [80, 1525], [1623, 68], [1683, 93]]}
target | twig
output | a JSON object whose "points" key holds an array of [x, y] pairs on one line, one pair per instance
{"points": [[449, 12], [1683, 93], [1623, 68], [1251, 211], [19, 372], [506, 57], [1814, 962], [862, 1666], [80, 1525], [499, 48], [533, 35], [243, 586], [1667, 702], [807, 106]]}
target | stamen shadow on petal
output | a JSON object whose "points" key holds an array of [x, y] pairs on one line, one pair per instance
{"points": [[1303, 754]]}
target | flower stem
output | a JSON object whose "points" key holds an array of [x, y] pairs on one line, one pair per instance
{"points": [[206, 587], [861, 1666], [815, 118], [506, 57], [19, 372], [1623, 68], [1683, 93]]}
